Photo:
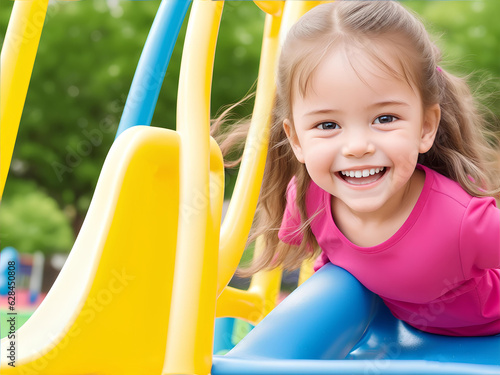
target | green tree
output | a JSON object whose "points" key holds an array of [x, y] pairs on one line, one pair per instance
{"points": [[85, 64], [467, 32], [32, 221], [87, 58]]}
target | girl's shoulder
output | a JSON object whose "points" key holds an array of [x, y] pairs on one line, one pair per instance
{"points": [[447, 189]]}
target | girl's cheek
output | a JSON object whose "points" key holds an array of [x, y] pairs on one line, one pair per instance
{"points": [[405, 165]]}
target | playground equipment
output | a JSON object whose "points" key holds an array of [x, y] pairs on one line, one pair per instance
{"points": [[13, 270], [9, 261], [160, 194], [36, 276]]}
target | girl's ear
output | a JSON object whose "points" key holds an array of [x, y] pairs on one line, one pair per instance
{"points": [[293, 139], [432, 116]]}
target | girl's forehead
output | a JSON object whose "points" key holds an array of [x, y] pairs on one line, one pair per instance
{"points": [[346, 87], [375, 58]]}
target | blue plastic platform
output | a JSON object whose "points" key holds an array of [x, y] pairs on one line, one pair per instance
{"points": [[333, 325]]}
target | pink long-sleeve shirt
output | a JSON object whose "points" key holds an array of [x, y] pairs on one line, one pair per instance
{"points": [[439, 272]]}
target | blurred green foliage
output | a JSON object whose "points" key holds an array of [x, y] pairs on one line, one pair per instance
{"points": [[468, 34], [31, 220], [85, 64]]}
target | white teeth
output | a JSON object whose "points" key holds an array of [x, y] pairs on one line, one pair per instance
{"points": [[362, 173]]}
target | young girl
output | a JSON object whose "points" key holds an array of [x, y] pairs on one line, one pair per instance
{"points": [[378, 158]]}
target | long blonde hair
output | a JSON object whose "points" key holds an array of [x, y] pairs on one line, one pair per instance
{"points": [[461, 150]]}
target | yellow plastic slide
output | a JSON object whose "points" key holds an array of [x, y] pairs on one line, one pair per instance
{"points": [[138, 292], [108, 311]]}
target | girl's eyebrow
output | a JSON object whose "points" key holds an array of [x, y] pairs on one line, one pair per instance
{"points": [[388, 103], [385, 103], [322, 112]]}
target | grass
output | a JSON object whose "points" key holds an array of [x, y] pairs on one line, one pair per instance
{"points": [[21, 318]]}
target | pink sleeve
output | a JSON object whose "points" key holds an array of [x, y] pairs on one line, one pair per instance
{"points": [[480, 234], [290, 226], [320, 261]]}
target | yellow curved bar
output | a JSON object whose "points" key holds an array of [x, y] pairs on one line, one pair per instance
{"points": [[255, 303], [241, 304], [239, 217], [293, 11], [17, 59], [274, 8], [306, 270], [267, 284], [118, 277], [192, 316]]}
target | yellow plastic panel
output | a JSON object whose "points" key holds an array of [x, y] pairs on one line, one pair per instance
{"points": [[17, 59], [108, 311]]}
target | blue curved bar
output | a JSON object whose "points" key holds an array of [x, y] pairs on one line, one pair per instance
{"points": [[323, 319], [333, 325], [148, 78]]}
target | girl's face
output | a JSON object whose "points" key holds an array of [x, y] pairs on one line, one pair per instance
{"points": [[359, 132]]}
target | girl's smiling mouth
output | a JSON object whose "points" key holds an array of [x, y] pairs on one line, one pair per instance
{"points": [[363, 176]]}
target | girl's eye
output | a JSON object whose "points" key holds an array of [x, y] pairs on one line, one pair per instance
{"points": [[328, 126], [385, 119]]}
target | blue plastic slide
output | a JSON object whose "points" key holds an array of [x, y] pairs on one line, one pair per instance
{"points": [[333, 325]]}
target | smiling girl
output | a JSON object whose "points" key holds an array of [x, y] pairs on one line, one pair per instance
{"points": [[378, 163]]}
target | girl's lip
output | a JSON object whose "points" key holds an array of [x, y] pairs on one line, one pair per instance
{"points": [[360, 185]]}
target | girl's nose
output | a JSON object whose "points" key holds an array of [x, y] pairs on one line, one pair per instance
{"points": [[357, 145]]}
